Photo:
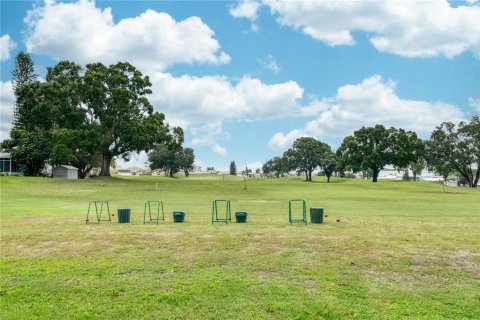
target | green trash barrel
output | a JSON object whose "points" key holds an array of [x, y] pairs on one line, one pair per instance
{"points": [[241, 216], [123, 215], [316, 215], [178, 216]]}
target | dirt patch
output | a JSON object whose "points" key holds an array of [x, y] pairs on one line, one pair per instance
{"points": [[258, 201], [326, 238], [161, 234], [461, 260]]}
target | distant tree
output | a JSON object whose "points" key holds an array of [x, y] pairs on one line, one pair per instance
{"points": [[115, 97], [408, 151], [23, 74], [456, 149], [276, 166], [186, 160], [171, 159], [162, 157], [247, 171], [233, 168], [306, 155], [368, 148], [210, 169], [258, 171], [329, 164]]}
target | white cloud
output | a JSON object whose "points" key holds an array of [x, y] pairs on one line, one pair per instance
{"points": [[6, 108], [253, 166], [154, 40], [219, 150], [6, 45], [207, 134], [271, 64], [373, 101], [474, 103], [406, 28], [212, 99], [280, 141], [245, 9], [203, 103]]}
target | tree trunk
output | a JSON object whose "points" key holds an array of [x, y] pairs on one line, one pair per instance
{"points": [[477, 177], [375, 174], [306, 175], [414, 175], [328, 178], [170, 173], [82, 173], [106, 161]]}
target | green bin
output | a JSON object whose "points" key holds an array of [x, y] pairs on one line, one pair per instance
{"points": [[123, 215], [178, 216], [241, 216], [316, 215]]}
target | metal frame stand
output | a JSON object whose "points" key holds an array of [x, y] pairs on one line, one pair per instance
{"points": [[98, 213], [228, 215], [304, 209], [148, 204]]}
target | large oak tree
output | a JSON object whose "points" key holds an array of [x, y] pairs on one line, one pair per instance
{"points": [[306, 155], [456, 148], [115, 96], [368, 148]]}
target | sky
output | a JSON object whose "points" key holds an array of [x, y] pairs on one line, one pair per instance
{"points": [[245, 79]]}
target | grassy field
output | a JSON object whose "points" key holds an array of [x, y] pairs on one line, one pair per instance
{"points": [[402, 250]]}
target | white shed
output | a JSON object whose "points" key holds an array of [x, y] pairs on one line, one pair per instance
{"points": [[65, 172]]}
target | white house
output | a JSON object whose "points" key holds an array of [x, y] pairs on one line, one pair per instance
{"points": [[7, 164]]}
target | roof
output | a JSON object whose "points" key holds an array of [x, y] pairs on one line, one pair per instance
{"points": [[67, 167], [4, 155]]}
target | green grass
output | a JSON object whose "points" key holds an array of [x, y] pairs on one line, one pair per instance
{"points": [[402, 250]]}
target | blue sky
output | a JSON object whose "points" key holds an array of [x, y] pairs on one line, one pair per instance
{"points": [[245, 79]]}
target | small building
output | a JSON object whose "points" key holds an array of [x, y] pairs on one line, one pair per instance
{"points": [[65, 172], [125, 172], [7, 164]]}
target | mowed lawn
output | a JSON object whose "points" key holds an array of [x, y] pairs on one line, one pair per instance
{"points": [[402, 250]]}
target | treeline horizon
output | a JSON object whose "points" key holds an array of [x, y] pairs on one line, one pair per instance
{"points": [[89, 117], [450, 148]]}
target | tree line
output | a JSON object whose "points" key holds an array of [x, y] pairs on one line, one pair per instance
{"points": [[86, 118], [451, 148]]}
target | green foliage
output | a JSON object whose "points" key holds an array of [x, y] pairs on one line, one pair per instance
{"points": [[233, 168], [171, 159], [23, 74], [246, 171], [30, 150], [115, 96], [329, 164], [368, 148], [276, 166], [29, 143], [84, 120], [408, 149], [306, 155], [455, 149]]}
